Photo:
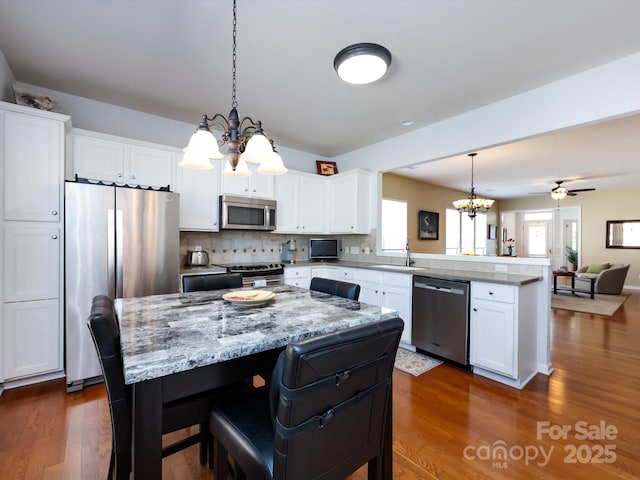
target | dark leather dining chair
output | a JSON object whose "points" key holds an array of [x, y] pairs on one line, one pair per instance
{"points": [[324, 415], [176, 415], [335, 287], [197, 283]]}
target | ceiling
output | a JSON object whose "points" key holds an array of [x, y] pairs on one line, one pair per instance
{"points": [[172, 58]]}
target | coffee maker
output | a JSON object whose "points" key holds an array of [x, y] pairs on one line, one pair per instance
{"points": [[288, 253]]}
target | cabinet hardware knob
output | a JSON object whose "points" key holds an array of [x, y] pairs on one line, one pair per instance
{"points": [[133, 177], [490, 293], [54, 212], [475, 309], [55, 237], [119, 175]]}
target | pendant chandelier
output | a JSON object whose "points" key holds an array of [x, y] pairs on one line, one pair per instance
{"points": [[472, 204], [246, 140]]}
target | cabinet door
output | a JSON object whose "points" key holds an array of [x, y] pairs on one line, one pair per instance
{"points": [[398, 298], [198, 191], [98, 159], [297, 276], [349, 203], [261, 186], [32, 151], [493, 336], [287, 194], [149, 167], [31, 338], [370, 293], [31, 262], [311, 204]]}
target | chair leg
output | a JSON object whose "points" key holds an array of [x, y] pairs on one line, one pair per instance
{"points": [[373, 469], [204, 447], [220, 462]]}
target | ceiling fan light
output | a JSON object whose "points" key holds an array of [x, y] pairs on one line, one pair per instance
{"points": [[559, 193], [362, 63]]}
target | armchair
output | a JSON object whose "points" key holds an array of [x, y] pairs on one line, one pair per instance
{"points": [[609, 281]]}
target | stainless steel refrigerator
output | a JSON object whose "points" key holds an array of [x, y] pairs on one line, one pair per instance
{"points": [[121, 242]]}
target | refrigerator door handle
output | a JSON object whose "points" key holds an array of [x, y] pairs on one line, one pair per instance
{"points": [[111, 252], [119, 252]]}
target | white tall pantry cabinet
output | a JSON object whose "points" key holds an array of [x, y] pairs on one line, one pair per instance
{"points": [[31, 285]]}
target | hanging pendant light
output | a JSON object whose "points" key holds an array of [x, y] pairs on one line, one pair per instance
{"points": [[246, 140], [472, 204]]}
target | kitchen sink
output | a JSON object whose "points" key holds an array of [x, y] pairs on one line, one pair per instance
{"points": [[398, 267]]}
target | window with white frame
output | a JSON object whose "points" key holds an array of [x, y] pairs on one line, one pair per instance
{"points": [[393, 224], [465, 235]]}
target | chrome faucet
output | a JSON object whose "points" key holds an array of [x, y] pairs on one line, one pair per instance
{"points": [[408, 260]]}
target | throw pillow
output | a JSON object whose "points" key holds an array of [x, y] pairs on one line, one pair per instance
{"points": [[598, 267]]}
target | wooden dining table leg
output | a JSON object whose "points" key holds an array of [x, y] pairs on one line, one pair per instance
{"points": [[147, 430]]}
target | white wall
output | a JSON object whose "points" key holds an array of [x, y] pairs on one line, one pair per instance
{"points": [[6, 80]]}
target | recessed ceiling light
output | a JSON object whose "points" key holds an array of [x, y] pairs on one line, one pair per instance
{"points": [[407, 123], [362, 63]]}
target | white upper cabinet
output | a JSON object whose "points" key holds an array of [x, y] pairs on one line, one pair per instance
{"points": [[255, 185], [199, 190], [300, 199], [32, 153], [349, 202], [117, 160]]}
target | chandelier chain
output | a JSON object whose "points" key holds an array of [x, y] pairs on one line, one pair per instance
{"points": [[234, 103]]}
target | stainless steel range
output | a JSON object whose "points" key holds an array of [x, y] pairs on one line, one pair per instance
{"points": [[259, 274]]}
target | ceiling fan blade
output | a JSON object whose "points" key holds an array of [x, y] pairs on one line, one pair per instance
{"points": [[581, 190]]}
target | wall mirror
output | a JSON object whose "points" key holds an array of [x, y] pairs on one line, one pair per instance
{"points": [[623, 234]]}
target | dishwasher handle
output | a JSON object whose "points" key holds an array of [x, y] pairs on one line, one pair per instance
{"points": [[428, 286]]}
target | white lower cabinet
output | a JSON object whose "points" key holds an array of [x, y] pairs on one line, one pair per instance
{"points": [[503, 332], [297, 276], [31, 338], [391, 290]]}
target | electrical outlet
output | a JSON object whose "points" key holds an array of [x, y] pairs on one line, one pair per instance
{"points": [[367, 250], [500, 268], [354, 250]]}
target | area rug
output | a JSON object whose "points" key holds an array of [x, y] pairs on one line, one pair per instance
{"points": [[415, 363], [600, 305]]}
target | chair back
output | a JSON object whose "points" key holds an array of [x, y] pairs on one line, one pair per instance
{"points": [[335, 287], [198, 283], [103, 325], [330, 396]]}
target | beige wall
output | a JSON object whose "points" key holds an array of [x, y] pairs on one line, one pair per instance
{"points": [[424, 196], [597, 207]]}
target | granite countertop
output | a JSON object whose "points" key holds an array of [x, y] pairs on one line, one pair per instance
{"points": [[442, 273], [165, 334]]}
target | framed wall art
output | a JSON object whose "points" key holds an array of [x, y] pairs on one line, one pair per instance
{"points": [[428, 225], [326, 168]]}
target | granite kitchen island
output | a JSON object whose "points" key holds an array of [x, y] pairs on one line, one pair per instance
{"points": [[179, 344]]}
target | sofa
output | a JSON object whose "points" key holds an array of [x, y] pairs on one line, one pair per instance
{"points": [[609, 277]]}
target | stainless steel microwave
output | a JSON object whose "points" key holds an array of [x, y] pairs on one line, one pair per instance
{"points": [[243, 213]]}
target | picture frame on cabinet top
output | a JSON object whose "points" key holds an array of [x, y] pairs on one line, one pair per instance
{"points": [[35, 100], [326, 168]]}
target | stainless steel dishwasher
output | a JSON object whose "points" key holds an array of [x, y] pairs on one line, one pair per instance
{"points": [[440, 323]]}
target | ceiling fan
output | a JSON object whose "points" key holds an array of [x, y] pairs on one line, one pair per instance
{"points": [[559, 192]]}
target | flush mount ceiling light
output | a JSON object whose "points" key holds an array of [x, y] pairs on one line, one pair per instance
{"points": [[246, 140], [362, 63], [472, 204]]}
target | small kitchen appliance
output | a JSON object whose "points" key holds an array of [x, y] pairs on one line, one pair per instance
{"points": [[196, 258], [288, 253]]}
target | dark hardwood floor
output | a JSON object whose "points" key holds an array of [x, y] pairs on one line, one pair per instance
{"points": [[448, 423]]}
